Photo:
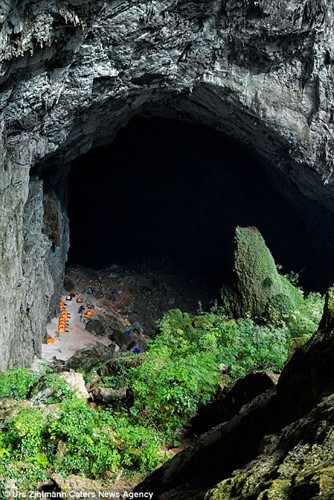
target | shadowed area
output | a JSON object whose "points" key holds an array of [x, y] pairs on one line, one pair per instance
{"points": [[173, 191]]}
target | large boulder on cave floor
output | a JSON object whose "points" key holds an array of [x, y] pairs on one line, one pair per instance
{"points": [[109, 326], [257, 288], [278, 444], [92, 356], [49, 386], [225, 406]]}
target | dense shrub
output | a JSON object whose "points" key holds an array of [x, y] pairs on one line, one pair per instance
{"points": [[72, 438], [233, 342], [16, 383], [301, 315], [167, 391]]}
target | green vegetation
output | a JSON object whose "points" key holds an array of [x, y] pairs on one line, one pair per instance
{"points": [[179, 372], [264, 317], [299, 314], [16, 383], [72, 438], [215, 339]]}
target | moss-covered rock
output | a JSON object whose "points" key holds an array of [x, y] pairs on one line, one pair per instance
{"points": [[259, 290], [257, 280], [297, 463]]}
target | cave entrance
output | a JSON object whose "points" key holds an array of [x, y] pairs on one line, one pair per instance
{"points": [[172, 191]]}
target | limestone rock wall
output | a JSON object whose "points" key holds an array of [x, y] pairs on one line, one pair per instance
{"points": [[73, 72]]}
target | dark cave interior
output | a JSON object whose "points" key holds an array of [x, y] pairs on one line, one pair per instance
{"points": [[172, 191]]}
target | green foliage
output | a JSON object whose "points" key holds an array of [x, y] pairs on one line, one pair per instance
{"points": [[27, 476], [181, 369], [139, 446], [168, 391], [233, 342], [330, 301], [72, 438], [26, 429], [300, 315], [81, 446], [23, 455], [16, 383], [5, 445]]}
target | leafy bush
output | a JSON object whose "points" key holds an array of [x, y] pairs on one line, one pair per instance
{"points": [[139, 446], [80, 445], [16, 383], [233, 342], [301, 315], [167, 391], [27, 476], [26, 429], [74, 439]]}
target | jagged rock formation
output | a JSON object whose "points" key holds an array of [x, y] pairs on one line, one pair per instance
{"points": [[282, 441], [74, 72]]}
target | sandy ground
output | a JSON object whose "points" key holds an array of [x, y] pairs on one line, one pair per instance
{"points": [[77, 338], [68, 343]]}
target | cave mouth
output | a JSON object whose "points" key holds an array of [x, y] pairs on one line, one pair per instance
{"points": [[170, 191]]}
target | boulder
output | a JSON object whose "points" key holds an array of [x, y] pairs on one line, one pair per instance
{"points": [[76, 382], [95, 326], [90, 357], [108, 395], [225, 406], [46, 387], [256, 279]]}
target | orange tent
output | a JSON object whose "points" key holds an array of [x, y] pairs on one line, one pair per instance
{"points": [[89, 313]]}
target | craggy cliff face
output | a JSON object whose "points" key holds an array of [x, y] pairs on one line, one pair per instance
{"points": [[73, 72]]}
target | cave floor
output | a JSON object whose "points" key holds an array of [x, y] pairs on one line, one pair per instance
{"points": [[135, 296], [67, 344], [92, 289]]}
